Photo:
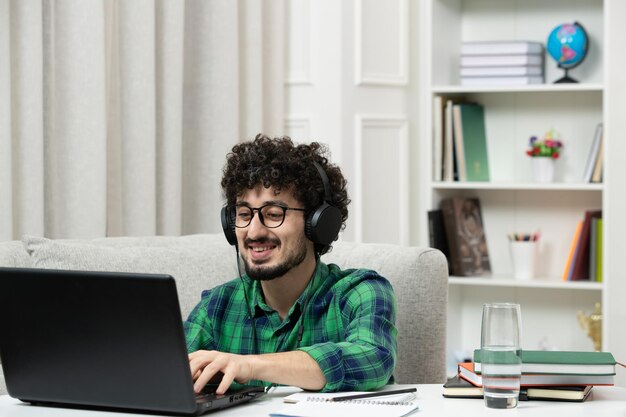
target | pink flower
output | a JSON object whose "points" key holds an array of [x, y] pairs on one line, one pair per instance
{"points": [[548, 146]]}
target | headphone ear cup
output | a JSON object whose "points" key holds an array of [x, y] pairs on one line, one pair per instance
{"points": [[228, 224], [323, 224]]}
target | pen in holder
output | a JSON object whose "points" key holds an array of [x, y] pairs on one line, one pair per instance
{"points": [[524, 251]]}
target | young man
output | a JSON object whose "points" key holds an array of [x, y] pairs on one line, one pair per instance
{"points": [[291, 319]]}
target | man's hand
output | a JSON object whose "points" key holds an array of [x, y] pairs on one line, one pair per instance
{"points": [[208, 365], [286, 368]]}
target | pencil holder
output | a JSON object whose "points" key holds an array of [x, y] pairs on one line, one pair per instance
{"points": [[524, 258]]}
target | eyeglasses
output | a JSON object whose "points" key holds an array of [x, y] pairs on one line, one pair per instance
{"points": [[270, 215]]}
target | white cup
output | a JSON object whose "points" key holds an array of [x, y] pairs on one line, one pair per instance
{"points": [[524, 258]]}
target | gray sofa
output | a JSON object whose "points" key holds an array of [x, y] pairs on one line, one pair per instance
{"points": [[419, 277]]}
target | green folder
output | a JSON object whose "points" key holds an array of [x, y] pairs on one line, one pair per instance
{"points": [[562, 362], [474, 142]]}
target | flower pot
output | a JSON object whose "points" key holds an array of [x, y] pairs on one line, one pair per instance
{"points": [[543, 169]]}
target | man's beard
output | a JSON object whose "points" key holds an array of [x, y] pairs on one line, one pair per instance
{"points": [[261, 273]]}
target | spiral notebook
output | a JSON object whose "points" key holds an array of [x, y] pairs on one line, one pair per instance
{"points": [[304, 404]]}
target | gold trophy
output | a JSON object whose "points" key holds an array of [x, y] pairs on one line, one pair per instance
{"points": [[592, 324]]}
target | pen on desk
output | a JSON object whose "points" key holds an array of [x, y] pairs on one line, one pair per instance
{"points": [[373, 394]]}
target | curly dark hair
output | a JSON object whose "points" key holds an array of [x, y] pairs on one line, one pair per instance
{"points": [[281, 164]]}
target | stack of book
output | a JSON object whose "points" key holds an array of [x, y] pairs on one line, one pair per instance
{"points": [[546, 375], [457, 387], [502, 63]]}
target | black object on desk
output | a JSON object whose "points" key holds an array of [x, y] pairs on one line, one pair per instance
{"points": [[99, 340], [373, 394]]}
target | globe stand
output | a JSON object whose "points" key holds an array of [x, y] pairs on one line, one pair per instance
{"points": [[566, 79]]}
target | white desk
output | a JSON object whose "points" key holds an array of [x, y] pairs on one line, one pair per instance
{"points": [[604, 401]]}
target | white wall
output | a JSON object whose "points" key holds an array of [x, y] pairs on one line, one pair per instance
{"points": [[348, 85]]}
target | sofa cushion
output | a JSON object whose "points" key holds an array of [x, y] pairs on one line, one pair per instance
{"points": [[197, 262]]}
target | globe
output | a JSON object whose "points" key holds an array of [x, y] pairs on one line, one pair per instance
{"points": [[568, 44]]}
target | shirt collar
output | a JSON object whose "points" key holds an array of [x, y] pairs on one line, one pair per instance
{"points": [[257, 300]]}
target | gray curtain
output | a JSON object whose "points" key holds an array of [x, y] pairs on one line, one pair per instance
{"points": [[116, 116]]}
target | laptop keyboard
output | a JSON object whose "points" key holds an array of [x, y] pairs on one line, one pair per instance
{"points": [[209, 398], [202, 397], [208, 394]]}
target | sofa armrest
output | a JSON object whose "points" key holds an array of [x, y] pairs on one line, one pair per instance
{"points": [[419, 277]]}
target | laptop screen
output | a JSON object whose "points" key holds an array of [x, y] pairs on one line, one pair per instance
{"points": [[94, 339]]}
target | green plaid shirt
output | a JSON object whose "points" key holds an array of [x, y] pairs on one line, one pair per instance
{"points": [[348, 325]]}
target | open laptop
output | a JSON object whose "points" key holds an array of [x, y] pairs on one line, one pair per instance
{"points": [[99, 340]]}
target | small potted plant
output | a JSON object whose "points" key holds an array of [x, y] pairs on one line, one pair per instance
{"points": [[543, 153]]}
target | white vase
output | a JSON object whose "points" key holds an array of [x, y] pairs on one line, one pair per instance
{"points": [[543, 169]]}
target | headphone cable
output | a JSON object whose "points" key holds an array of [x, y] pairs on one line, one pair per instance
{"points": [[253, 319], [245, 294]]}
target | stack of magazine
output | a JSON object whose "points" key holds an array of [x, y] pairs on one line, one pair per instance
{"points": [[546, 375], [502, 63]]}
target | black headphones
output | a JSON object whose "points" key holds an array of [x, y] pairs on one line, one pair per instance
{"points": [[322, 225]]}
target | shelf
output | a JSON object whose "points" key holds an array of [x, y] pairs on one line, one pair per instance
{"points": [[536, 283], [511, 201], [536, 88], [521, 186]]}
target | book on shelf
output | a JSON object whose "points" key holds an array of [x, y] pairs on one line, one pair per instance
{"points": [[597, 169], [438, 129], [580, 269], [457, 387], [561, 362], [501, 71], [501, 48], [444, 140], [470, 138], [592, 158], [466, 372], [567, 271], [502, 81], [465, 233], [518, 60], [599, 256], [459, 148], [593, 250], [448, 149], [437, 233]]}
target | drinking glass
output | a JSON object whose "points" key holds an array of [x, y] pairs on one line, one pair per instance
{"points": [[501, 360]]}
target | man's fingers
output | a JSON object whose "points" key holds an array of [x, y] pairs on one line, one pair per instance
{"points": [[206, 374], [225, 384], [198, 360], [195, 375], [218, 367]]}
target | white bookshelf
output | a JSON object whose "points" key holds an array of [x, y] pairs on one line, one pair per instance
{"points": [[538, 283], [520, 186], [539, 88], [511, 201]]}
